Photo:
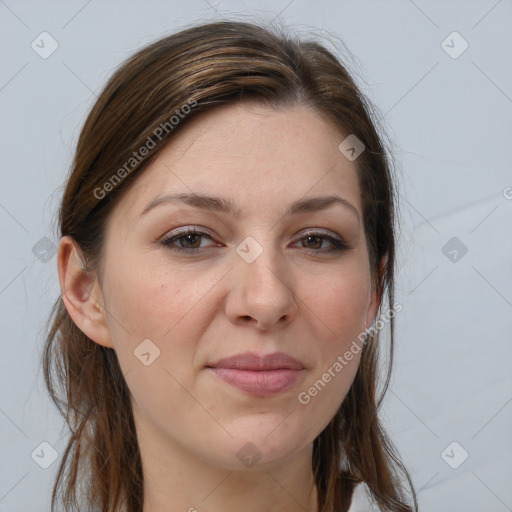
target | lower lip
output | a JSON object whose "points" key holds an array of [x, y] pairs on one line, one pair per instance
{"points": [[261, 382]]}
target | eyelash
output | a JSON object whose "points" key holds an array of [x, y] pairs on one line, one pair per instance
{"points": [[338, 245]]}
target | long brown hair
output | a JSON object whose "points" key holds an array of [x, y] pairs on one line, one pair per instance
{"points": [[204, 67]]}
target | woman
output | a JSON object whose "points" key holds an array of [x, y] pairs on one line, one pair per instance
{"points": [[227, 245]]}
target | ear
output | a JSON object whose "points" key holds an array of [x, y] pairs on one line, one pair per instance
{"points": [[82, 294], [376, 299]]}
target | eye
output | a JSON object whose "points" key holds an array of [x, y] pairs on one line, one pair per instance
{"points": [[316, 240], [186, 240]]}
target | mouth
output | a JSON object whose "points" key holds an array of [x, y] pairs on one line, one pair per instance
{"points": [[258, 375]]}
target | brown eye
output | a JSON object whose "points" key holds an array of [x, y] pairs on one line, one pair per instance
{"points": [[188, 240], [312, 242], [322, 242]]}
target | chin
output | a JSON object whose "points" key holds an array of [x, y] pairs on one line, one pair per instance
{"points": [[257, 448]]}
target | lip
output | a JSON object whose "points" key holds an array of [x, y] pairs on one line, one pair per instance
{"points": [[259, 375]]}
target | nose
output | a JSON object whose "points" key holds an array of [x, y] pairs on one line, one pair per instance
{"points": [[261, 293]]}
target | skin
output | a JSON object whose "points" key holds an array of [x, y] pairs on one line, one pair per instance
{"points": [[295, 297]]}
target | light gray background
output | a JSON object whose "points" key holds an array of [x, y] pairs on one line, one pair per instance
{"points": [[451, 120]]}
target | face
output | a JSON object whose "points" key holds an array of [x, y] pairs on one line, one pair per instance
{"points": [[227, 320]]}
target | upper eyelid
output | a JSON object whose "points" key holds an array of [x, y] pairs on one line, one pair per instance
{"points": [[200, 230]]}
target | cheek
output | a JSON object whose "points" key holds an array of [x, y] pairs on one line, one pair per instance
{"points": [[158, 303], [151, 300], [339, 304], [339, 301], [172, 310]]}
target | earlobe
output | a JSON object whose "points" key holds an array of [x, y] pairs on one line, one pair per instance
{"points": [[81, 293]]}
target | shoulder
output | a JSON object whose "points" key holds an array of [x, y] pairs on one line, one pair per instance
{"points": [[361, 500]]}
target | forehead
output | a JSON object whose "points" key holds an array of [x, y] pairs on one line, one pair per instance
{"points": [[260, 157]]}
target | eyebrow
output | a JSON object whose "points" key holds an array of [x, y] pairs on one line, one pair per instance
{"points": [[222, 205]]}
